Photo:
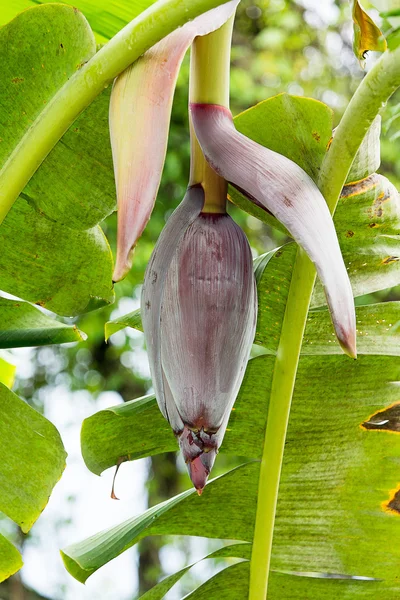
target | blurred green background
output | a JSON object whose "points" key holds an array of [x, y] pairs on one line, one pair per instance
{"points": [[303, 47]]}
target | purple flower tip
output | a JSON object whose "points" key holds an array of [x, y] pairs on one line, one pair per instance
{"points": [[199, 450]]}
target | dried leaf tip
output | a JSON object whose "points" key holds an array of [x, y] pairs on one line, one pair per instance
{"points": [[367, 35]]}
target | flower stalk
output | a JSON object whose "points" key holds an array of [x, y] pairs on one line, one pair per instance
{"points": [[373, 92], [209, 83]]}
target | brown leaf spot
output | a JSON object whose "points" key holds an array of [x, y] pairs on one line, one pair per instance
{"points": [[393, 504], [387, 419], [377, 204], [359, 187], [17, 80], [287, 201], [350, 234], [316, 136]]}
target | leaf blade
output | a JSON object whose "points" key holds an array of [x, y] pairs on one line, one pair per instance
{"points": [[10, 559], [34, 440], [23, 325], [84, 558]]}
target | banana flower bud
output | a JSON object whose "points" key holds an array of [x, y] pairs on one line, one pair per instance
{"points": [[281, 187], [140, 112], [199, 310]]}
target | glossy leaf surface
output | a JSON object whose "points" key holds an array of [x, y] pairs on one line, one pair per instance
{"points": [[35, 269], [233, 550], [7, 372], [10, 559], [30, 439], [24, 325], [83, 559]]}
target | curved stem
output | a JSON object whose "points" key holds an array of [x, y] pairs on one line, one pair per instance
{"points": [[209, 84], [373, 92], [371, 95], [80, 90]]}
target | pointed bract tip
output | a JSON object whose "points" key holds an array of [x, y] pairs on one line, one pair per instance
{"points": [[123, 265], [347, 339], [198, 473], [349, 346]]}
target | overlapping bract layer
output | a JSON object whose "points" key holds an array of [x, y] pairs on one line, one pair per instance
{"points": [[280, 186], [200, 328], [140, 112]]}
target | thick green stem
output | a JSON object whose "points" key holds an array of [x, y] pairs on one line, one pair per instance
{"points": [[373, 92], [209, 84], [143, 32]]}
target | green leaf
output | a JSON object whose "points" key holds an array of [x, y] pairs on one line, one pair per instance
{"points": [[10, 559], [232, 583], [24, 325], [367, 222], [377, 324], [132, 319], [367, 35], [33, 265], [7, 372], [220, 586], [41, 49], [125, 432], [273, 272], [368, 158], [390, 13], [136, 429], [31, 440], [378, 331], [105, 19], [75, 184], [158, 591], [186, 513], [300, 586], [338, 476]]}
